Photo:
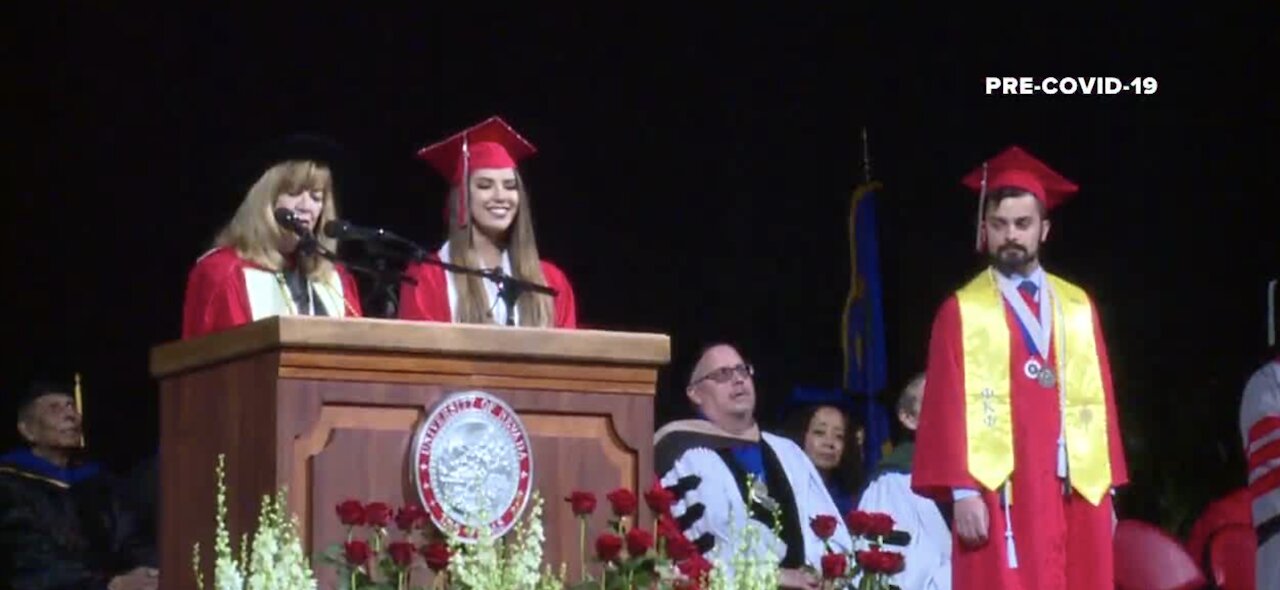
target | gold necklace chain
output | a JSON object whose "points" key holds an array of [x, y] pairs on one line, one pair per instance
{"points": [[293, 310]]}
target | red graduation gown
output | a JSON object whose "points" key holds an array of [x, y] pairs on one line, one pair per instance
{"points": [[1061, 542], [217, 297], [429, 299]]}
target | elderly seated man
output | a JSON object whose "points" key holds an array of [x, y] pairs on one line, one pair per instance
{"points": [[63, 523]]}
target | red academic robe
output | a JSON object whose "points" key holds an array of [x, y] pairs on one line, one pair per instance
{"points": [[1061, 542], [429, 299], [218, 296]]}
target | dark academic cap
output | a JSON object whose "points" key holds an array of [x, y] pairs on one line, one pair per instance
{"points": [[321, 149], [492, 143], [303, 146], [805, 397], [41, 388], [1016, 168]]}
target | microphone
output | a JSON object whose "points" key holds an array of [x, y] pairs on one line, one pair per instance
{"points": [[340, 229], [289, 220]]}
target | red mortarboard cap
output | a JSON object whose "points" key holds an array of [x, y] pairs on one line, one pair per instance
{"points": [[1014, 167], [491, 143]]}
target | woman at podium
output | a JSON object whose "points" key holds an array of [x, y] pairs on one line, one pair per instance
{"points": [[490, 226], [269, 260]]}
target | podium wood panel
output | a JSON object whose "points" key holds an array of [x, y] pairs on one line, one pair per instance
{"points": [[202, 414], [329, 409], [424, 338]]}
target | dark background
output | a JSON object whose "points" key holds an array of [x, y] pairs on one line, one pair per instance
{"points": [[693, 179]]}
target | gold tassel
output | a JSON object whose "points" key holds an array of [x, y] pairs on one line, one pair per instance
{"points": [[80, 409]]}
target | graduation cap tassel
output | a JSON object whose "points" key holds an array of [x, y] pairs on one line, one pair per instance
{"points": [[464, 194], [982, 207], [80, 408]]}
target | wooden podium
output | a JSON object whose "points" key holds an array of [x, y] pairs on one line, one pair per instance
{"points": [[328, 407]]}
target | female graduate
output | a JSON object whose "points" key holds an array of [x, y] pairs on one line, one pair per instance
{"points": [[258, 268], [490, 226]]}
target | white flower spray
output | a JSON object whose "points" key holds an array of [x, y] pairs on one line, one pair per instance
{"points": [[754, 565], [489, 563], [276, 561]]}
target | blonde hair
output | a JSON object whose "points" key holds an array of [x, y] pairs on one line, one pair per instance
{"points": [[534, 309], [253, 231]]}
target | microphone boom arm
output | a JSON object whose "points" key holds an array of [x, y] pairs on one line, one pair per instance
{"points": [[510, 288]]}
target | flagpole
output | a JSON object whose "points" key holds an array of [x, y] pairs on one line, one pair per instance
{"points": [[866, 157], [1271, 312]]}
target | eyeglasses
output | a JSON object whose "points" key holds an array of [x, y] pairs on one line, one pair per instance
{"points": [[728, 374]]}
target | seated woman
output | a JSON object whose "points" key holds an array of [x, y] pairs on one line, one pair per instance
{"points": [[822, 423], [490, 226], [256, 268]]}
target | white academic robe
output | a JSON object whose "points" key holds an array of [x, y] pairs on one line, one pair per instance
{"points": [[1260, 431], [726, 517], [928, 555]]}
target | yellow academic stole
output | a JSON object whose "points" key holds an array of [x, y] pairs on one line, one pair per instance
{"points": [[1082, 401]]}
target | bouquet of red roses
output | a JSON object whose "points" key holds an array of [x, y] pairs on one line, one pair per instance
{"points": [[632, 557], [383, 546], [872, 567]]}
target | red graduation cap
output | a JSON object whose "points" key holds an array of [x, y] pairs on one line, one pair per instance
{"points": [[491, 143], [1016, 168]]}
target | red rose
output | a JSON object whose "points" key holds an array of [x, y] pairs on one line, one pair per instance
{"points": [[659, 498], [667, 527], [608, 546], [824, 526], [377, 514], [351, 513], [583, 503], [638, 542], [624, 501], [410, 517], [436, 555], [877, 561], [834, 565], [893, 562], [402, 553], [680, 548], [695, 567], [880, 524], [357, 553], [859, 522]]}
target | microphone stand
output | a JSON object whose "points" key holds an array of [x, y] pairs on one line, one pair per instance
{"points": [[509, 288], [308, 245], [383, 277], [386, 280]]}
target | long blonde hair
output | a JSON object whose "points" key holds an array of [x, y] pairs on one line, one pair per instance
{"points": [[535, 309], [253, 231]]}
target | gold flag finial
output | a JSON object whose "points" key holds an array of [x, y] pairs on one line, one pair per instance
{"points": [[80, 408]]}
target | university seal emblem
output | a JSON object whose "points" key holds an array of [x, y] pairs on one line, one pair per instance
{"points": [[472, 465]]}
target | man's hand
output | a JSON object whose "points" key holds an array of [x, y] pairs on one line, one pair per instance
{"points": [[140, 578], [801, 579], [972, 522]]}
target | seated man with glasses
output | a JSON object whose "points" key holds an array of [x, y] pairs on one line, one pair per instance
{"points": [[709, 460]]}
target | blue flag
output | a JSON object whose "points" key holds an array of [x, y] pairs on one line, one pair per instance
{"points": [[866, 367]]}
